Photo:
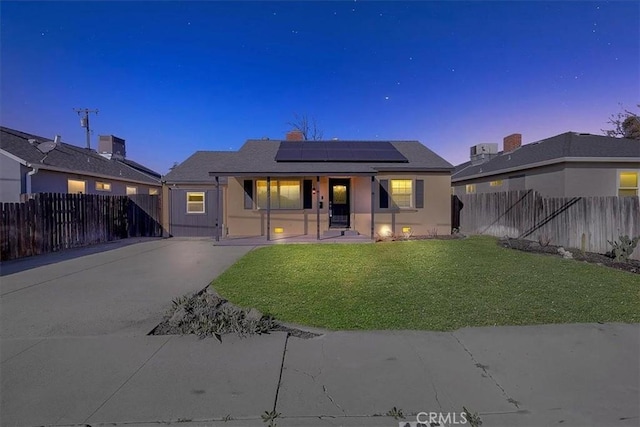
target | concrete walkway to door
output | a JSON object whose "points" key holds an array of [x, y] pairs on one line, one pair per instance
{"points": [[124, 291]]}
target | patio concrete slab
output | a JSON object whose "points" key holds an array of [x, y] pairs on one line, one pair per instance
{"points": [[364, 374], [192, 379], [124, 291], [563, 374], [64, 380]]}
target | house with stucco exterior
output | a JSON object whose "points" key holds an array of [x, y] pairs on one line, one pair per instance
{"points": [[566, 165], [293, 187]]}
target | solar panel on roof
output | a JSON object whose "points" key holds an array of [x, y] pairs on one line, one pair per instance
{"points": [[338, 151]]}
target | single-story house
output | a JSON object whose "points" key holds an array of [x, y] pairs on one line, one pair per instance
{"points": [[566, 165], [294, 187], [33, 164]]}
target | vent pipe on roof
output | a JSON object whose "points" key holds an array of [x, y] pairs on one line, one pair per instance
{"points": [[57, 139], [31, 141]]}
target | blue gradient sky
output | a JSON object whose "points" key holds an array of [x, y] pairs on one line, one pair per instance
{"points": [[175, 77]]}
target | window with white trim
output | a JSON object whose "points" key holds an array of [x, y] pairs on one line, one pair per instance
{"points": [[154, 191], [195, 202], [132, 191], [402, 192], [627, 184], [470, 188], [496, 183], [76, 186], [285, 193]]}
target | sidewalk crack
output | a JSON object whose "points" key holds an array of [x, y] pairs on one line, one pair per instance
{"points": [[23, 351], [427, 373], [126, 381], [284, 355], [487, 373], [326, 393]]}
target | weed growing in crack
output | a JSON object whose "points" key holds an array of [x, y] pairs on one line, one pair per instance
{"points": [[395, 413], [270, 418], [474, 419], [227, 417]]}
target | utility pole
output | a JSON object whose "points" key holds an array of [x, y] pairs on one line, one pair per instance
{"points": [[84, 121]]}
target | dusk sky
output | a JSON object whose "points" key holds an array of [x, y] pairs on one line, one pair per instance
{"points": [[175, 77]]}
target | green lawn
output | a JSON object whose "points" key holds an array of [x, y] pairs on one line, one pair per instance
{"points": [[431, 285]]}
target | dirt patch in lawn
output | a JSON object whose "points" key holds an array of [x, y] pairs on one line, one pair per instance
{"points": [[207, 314], [632, 266]]}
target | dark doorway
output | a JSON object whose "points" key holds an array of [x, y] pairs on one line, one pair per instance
{"points": [[339, 214]]}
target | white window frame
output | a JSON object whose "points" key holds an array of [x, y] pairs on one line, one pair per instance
{"points": [[470, 189], [84, 186], [154, 191], [403, 194], [620, 187], [496, 183], [192, 203], [129, 192]]}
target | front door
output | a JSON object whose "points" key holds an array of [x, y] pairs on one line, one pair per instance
{"points": [[339, 203]]}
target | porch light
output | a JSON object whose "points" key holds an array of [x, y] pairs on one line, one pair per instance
{"points": [[278, 230], [406, 229]]}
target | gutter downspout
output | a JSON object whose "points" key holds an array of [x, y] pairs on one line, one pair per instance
{"points": [[32, 172]]}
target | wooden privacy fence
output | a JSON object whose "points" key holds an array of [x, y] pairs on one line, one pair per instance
{"points": [[50, 222], [574, 222]]}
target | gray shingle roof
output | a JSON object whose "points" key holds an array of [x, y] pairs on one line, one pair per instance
{"points": [[71, 158], [257, 157], [567, 145], [195, 169]]}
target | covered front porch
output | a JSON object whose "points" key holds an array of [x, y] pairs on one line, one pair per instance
{"points": [[289, 207]]}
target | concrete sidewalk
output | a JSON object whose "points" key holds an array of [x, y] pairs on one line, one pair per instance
{"points": [[569, 375]]}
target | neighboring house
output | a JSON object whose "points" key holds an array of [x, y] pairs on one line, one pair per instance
{"points": [[294, 187], [566, 165], [33, 164]]}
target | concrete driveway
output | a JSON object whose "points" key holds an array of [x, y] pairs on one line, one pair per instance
{"points": [[124, 291]]}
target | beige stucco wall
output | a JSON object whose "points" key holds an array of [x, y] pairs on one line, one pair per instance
{"points": [[253, 222], [434, 217]]}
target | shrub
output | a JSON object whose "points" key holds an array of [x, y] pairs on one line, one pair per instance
{"points": [[622, 250]]}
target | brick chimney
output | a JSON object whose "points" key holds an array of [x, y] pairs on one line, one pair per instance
{"points": [[295, 135], [512, 142]]}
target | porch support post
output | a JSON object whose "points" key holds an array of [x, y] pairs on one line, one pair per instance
{"points": [[268, 208], [318, 207], [373, 205], [217, 209]]}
